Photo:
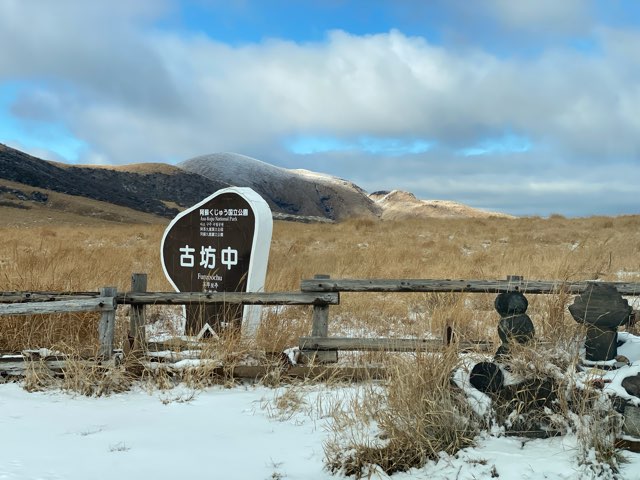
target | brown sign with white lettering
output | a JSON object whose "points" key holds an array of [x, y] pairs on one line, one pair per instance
{"points": [[208, 249]]}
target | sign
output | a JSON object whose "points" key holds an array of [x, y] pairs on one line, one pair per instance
{"points": [[219, 245]]}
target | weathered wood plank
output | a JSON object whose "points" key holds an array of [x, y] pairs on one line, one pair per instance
{"points": [[23, 297], [98, 304], [19, 367], [106, 326], [447, 285], [245, 298], [382, 344], [315, 286], [6, 359], [320, 328], [317, 372], [137, 318], [320, 317], [180, 298]]}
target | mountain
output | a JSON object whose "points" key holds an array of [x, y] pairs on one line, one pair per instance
{"points": [[24, 205], [31, 188], [399, 205], [158, 189], [292, 192]]}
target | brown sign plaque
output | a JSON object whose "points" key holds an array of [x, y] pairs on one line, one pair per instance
{"points": [[211, 247]]}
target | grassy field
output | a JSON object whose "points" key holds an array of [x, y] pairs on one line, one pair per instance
{"points": [[603, 248], [417, 409], [89, 257]]}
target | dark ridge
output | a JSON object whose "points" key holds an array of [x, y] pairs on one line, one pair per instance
{"points": [[145, 192]]}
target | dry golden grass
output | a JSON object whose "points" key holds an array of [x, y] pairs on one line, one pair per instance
{"points": [[418, 416], [87, 258], [417, 411]]}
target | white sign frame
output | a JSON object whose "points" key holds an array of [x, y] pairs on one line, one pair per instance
{"points": [[256, 275]]}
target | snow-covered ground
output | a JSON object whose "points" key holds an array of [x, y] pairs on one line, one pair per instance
{"points": [[222, 433], [240, 433], [216, 434]]}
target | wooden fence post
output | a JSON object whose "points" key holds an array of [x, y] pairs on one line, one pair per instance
{"points": [[320, 328], [106, 325], [137, 318]]}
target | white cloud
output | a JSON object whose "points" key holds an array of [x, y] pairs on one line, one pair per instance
{"points": [[391, 85], [134, 92], [177, 94]]}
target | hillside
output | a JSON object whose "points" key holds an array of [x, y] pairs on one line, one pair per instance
{"points": [[162, 191], [399, 205], [24, 205], [157, 189], [293, 192]]}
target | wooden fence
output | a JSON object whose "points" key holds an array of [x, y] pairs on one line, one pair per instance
{"points": [[320, 292], [107, 300]]}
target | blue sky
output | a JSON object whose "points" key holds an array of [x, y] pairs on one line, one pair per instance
{"points": [[526, 107]]}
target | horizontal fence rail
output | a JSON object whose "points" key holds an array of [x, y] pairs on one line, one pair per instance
{"points": [[324, 348], [174, 298], [382, 344], [244, 298], [456, 286], [31, 296], [97, 304], [18, 365], [108, 298], [320, 292]]}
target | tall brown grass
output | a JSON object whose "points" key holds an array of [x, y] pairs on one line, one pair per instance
{"points": [[418, 412], [87, 258], [418, 415]]}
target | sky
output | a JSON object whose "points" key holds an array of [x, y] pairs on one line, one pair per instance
{"points": [[524, 107]]}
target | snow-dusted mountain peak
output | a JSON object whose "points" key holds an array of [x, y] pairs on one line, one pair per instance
{"points": [[400, 205], [292, 192]]}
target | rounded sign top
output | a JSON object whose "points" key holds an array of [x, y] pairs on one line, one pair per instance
{"points": [[221, 244]]}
